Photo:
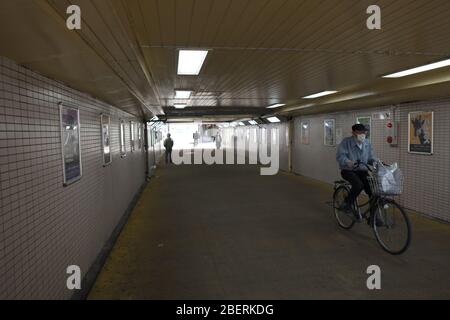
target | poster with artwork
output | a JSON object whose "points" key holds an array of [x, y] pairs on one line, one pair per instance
{"points": [[305, 128], [123, 150], [139, 128], [329, 132], [339, 136], [367, 122], [106, 142], [132, 136], [420, 136], [287, 136], [70, 143]]}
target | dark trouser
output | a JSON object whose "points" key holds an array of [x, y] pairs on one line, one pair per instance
{"points": [[358, 180], [169, 156]]}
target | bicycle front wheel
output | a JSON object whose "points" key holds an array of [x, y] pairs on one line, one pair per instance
{"points": [[344, 219], [391, 227]]}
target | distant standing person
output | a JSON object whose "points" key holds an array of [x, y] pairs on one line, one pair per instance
{"points": [[168, 145], [218, 141], [196, 137]]}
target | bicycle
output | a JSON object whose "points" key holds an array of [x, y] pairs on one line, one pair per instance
{"points": [[387, 218]]}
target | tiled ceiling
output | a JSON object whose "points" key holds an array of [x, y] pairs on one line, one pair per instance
{"points": [[261, 51]]}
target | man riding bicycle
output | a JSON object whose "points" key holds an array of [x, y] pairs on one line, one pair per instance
{"points": [[352, 151]]}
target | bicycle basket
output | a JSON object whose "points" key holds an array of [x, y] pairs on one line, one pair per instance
{"points": [[387, 180]]}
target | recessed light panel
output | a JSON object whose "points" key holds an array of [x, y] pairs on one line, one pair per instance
{"points": [[424, 68], [320, 94], [190, 62], [273, 120], [182, 94], [278, 105]]}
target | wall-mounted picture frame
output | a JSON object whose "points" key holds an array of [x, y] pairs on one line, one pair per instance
{"points": [[105, 122], [339, 136], [304, 132], [383, 115], [132, 136], [122, 140], [287, 136], [329, 132], [151, 137], [139, 135], [70, 143], [421, 132], [367, 122]]}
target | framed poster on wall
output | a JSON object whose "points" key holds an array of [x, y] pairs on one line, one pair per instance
{"points": [[367, 122], [106, 140], [304, 133], [139, 128], [123, 149], [70, 143], [287, 135], [329, 128], [132, 136], [420, 133], [339, 136]]}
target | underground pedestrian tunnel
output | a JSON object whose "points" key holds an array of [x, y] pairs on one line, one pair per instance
{"points": [[258, 97]]}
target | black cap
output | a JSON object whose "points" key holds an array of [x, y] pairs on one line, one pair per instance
{"points": [[359, 127]]}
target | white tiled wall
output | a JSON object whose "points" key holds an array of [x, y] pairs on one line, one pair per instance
{"points": [[427, 178], [45, 227]]}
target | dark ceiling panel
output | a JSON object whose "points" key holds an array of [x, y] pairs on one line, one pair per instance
{"points": [[261, 51]]}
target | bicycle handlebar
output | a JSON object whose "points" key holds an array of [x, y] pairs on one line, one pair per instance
{"points": [[358, 163]]}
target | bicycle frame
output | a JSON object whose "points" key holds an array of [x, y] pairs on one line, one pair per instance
{"points": [[372, 202]]}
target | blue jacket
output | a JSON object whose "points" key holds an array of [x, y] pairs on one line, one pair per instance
{"points": [[349, 150]]}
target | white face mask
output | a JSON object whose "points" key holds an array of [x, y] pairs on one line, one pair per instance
{"points": [[361, 137]]}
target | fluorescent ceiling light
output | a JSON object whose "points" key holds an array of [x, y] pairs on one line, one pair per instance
{"points": [[320, 94], [180, 105], [253, 122], [424, 68], [273, 119], [276, 105], [190, 62], [241, 124], [182, 94]]}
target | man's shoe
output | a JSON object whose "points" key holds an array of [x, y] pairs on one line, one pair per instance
{"points": [[346, 208], [378, 222]]}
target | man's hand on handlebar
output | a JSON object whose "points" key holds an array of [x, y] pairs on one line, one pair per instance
{"points": [[350, 164], [359, 163], [356, 164]]}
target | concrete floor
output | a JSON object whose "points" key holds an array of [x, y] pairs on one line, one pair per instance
{"points": [[225, 232]]}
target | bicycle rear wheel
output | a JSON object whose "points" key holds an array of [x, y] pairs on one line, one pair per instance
{"points": [[391, 227], [344, 219]]}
